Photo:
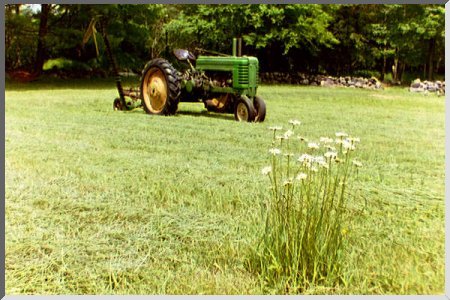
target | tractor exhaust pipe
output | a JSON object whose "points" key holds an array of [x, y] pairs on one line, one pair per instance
{"points": [[237, 46]]}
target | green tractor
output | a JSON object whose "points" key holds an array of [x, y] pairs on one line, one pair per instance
{"points": [[225, 84]]}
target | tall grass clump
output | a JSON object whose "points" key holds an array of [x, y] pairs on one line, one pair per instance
{"points": [[305, 217]]}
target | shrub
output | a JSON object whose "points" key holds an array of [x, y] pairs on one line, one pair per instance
{"points": [[366, 73], [64, 64], [305, 217]]}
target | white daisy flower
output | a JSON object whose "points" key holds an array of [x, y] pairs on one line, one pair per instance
{"points": [[301, 176], [313, 168], [354, 139], [313, 146], [287, 182], [305, 158], [358, 164], [275, 151], [347, 145], [341, 134], [330, 154], [275, 128], [266, 170], [288, 134], [294, 122], [326, 140], [319, 159]]}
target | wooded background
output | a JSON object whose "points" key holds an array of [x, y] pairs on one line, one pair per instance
{"points": [[388, 41]]}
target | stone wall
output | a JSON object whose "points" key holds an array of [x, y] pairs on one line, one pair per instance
{"points": [[418, 86], [320, 80]]}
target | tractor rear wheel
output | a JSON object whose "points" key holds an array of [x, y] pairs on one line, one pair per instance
{"points": [[244, 110], [260, 107], [160, 88]]}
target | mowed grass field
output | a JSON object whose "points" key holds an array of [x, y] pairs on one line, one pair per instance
{"points": [[104, 202]]}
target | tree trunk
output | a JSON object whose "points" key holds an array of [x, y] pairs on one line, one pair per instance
{"points": [[395, 70], [383, 70], [438, 64], [431, 47], [40, 53], [402, 71]]}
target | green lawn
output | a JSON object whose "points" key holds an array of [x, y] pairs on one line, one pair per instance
{"points": [[104, 202]]}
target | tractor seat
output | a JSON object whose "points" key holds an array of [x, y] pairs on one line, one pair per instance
{"points": [[182, 54]]}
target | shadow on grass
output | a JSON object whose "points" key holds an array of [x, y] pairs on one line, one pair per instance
{"points": [[179, 113], [205, 113], [47, 83]]}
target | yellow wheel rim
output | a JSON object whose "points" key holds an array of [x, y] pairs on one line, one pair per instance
{"points": [[242, 112], [155, 90]]}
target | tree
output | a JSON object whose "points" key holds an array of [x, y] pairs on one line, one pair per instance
{"points": [[130, 29], [432, 30], [344, 39], [41, 51], [273, 31], [412, 35], [20, 38], [386, 37]]}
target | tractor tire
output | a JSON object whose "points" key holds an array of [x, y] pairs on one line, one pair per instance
{"points": [[260, 107], [117, 105], [160, 88], [244, 110]]}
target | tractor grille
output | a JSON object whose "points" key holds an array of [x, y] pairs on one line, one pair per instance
{"points": [[243, 74]]}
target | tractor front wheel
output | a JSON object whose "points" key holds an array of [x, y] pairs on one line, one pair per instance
{"points": [[244, 110], [260, 107], [160, 88]]}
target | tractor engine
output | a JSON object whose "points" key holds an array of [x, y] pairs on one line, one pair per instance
{"points": [[216, 80]]}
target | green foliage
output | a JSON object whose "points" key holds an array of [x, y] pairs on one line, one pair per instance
{"points": [[333, 39], [129, 27], [405, 31], [260, 26], [376, 36], [366, 73], [20, 39], [63, 64]]}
